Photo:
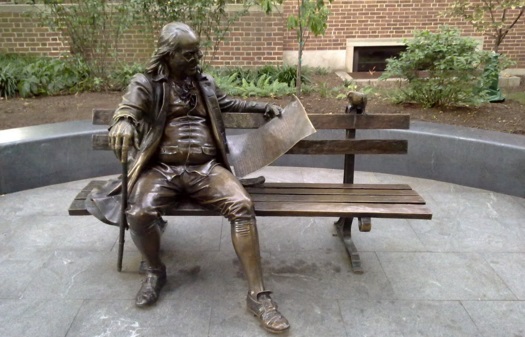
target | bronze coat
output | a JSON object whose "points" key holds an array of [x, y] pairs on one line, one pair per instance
{"points": [[145, 102]]}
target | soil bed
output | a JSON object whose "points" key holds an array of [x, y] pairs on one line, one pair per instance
{"points": [[508, 116]]}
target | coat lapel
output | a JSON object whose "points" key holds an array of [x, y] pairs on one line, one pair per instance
{"points": [[217, 123]]}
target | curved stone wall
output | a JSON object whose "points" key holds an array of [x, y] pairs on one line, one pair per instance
{"points": [[49, 154]]}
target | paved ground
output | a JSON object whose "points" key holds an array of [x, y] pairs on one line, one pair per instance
{"points": [[460, 274]]}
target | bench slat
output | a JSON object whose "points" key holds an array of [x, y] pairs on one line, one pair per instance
{"points": [[99, 141], [327, 191], [313, 147], [78, 207], [102, 116], [82, 195], [290, 198], [350, 146], [92, 184], [335, 186], [239, 120], [308, 188], [316, 195], [403, 211], [371, 203], [367, 121]]}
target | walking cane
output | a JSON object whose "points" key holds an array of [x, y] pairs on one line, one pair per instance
{"points": [[124, 205]]}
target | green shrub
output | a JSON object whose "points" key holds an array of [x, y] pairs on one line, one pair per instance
{"points": [[49, 76], [327, 92], [441, 69], [8, 80], [270, 71], [249, 74], [267, 81], [121, 76], [11, 66], [284, 74], [33, 76], [93, 29], [227, 82], [263, 86]]}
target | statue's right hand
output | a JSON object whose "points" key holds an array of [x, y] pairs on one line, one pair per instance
{"points": [[122, 136]]}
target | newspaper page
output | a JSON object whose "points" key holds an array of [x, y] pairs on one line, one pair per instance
{"points": [[260, 147]]}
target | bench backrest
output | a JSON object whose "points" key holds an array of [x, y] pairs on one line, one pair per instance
{"points": [[349, 147]]}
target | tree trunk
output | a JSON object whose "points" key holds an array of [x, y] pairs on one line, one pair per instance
{"points": [[298, 82]]}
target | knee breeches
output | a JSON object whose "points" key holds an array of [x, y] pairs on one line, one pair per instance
{"points": [[156, 191]]}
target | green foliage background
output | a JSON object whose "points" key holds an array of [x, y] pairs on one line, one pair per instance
{"points": [[440, 69], [29, 76]]}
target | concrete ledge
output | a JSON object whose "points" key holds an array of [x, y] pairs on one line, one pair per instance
{"points": [[55, 153], [50, 154], [509, 81], [477, 158], [505, 81]]}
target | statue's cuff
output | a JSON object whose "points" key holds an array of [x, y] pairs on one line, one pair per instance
{"points": [[120, 117]]}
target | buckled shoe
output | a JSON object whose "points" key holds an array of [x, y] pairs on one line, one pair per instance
{"points": [[151, 286], [265, 309]]}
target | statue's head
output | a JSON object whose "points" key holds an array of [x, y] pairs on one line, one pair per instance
{"points": [[178, 52]]}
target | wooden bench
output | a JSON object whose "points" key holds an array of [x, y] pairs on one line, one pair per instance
{"points": [[345, 200]]}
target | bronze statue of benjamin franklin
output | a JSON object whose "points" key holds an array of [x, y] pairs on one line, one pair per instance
{"points": [[170, 117]]}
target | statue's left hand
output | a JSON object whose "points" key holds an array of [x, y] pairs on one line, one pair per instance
{"points": [[272, 111]]}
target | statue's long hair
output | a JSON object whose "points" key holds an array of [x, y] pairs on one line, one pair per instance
{"points": [[168, 43]]}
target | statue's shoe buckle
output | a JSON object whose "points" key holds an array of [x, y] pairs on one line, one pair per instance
{"points": [[265, 309]]}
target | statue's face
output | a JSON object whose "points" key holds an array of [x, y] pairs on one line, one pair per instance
{"points": [[183, 62]]}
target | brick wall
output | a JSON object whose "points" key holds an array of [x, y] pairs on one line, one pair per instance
{"points": [[259, 39], [256, 39], [352, 19], [19, 33]]}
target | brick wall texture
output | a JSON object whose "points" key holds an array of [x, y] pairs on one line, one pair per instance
{"points": [[261, 39]]}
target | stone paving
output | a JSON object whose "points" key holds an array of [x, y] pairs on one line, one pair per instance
{"points": [[460, 274]]}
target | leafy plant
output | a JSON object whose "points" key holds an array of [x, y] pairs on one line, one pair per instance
{"points": [[250, 74], [441, 69], [325, 91], [49, 76], [92, 28], [8, 80], [227, 83], [263, 86], [121, 76], [497, 17], [32, 76], [311, 18], [307, 89], [285, 74]]}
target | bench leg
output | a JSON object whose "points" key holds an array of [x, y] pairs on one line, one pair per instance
{"points": [[365, 224], [344, 231]]}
